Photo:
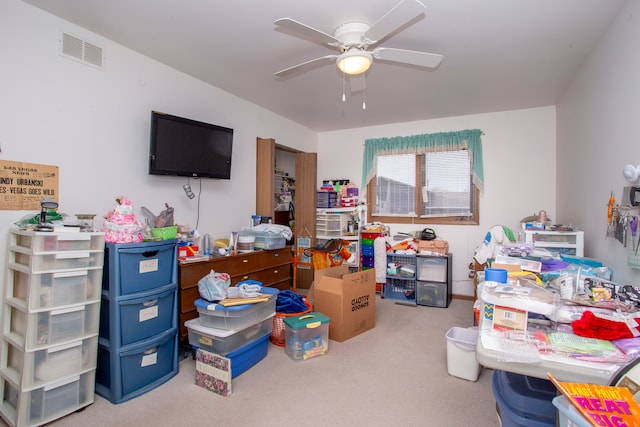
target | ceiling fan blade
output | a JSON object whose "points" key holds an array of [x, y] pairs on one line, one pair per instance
{"points": [[306, 65], [357, 83], [402, 13], [411, 57], [310, 33]]}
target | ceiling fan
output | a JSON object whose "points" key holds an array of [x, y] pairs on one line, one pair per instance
{"points": [[354, 40]]}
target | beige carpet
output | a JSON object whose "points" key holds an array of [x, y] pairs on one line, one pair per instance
{"points": [[393, 375]]}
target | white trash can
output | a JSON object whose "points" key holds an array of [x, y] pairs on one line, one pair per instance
{"points": [[461, 353]]}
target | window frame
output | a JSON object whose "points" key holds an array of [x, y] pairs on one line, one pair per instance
{"points": [[474, 219]]}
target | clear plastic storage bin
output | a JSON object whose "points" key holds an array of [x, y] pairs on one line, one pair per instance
{"points": [[306, 335], [34, 369], [40, 263], [53, 327], [54, 242], [52, 290], [431, 269], [221, 341], [237, 317], [42, 405]]}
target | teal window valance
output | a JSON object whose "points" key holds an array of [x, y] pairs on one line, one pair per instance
{"points": [[425, 143]]}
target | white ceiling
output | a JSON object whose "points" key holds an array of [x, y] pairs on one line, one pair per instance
{"points": [[498, 54]]}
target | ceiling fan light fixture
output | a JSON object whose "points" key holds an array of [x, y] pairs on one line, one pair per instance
{"points": [[354, 61]]}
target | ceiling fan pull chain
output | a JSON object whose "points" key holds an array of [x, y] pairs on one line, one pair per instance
{"points": [[364, 98], [344, 97]]}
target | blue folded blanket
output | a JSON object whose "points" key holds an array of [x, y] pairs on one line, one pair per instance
{"points": [[290, 302]]}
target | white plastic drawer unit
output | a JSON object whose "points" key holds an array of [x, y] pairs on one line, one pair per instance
{"points": [[39, 291], [46, 262], [563, 242], [54, 327], [31, 369], [431, 269], [55, 242], [42, 405]]}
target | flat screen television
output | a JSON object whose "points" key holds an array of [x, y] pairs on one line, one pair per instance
{"points": [[185, 147]]}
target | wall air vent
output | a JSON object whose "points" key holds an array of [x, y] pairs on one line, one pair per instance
{"points": [[80, 50]]}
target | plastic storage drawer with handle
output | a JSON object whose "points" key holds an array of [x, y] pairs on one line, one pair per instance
{"points": [[133, 268], [129, 320]]}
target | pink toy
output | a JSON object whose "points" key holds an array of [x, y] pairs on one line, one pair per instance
{"points": [[121, 225]]}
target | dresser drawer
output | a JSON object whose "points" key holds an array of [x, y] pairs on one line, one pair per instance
{"points": [[187, 297], [267, 276]]}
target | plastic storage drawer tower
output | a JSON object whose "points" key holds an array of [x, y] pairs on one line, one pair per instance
{"points": [[49, 325], [138, 344]]}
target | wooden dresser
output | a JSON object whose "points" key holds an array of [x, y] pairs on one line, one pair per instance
{"points": [[271, 267]]}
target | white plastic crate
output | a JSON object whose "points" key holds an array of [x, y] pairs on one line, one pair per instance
{"points": [[222, 341], [42, 405], [52, 327], [52, 290], [32, 369], [54, 242]]}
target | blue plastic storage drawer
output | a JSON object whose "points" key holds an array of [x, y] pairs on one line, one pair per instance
{"points": [[524, 401], [140, 267], [140, 318], [146, 364], [122, 375]]}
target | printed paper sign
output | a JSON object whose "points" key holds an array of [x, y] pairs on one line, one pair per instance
{"points": [[24, 185]]}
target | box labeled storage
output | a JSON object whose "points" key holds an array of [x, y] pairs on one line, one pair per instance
{"points": [[222, 341], [235, 317], [306, 335], [349, 300], [461, 353]]}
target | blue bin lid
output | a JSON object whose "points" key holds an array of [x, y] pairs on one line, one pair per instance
{"points": [[524, 397], [212, 306]]}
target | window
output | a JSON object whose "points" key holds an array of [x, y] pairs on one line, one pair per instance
{"points": [[436, 184]]}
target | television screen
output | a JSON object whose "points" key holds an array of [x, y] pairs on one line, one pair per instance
{"points": [[185, 147]]}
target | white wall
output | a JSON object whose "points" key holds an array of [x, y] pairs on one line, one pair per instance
{"points": [[598, 128], [519, 168], [94, 125]]}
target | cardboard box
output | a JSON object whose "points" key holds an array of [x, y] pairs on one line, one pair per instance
{"points": [[349, 300]]}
